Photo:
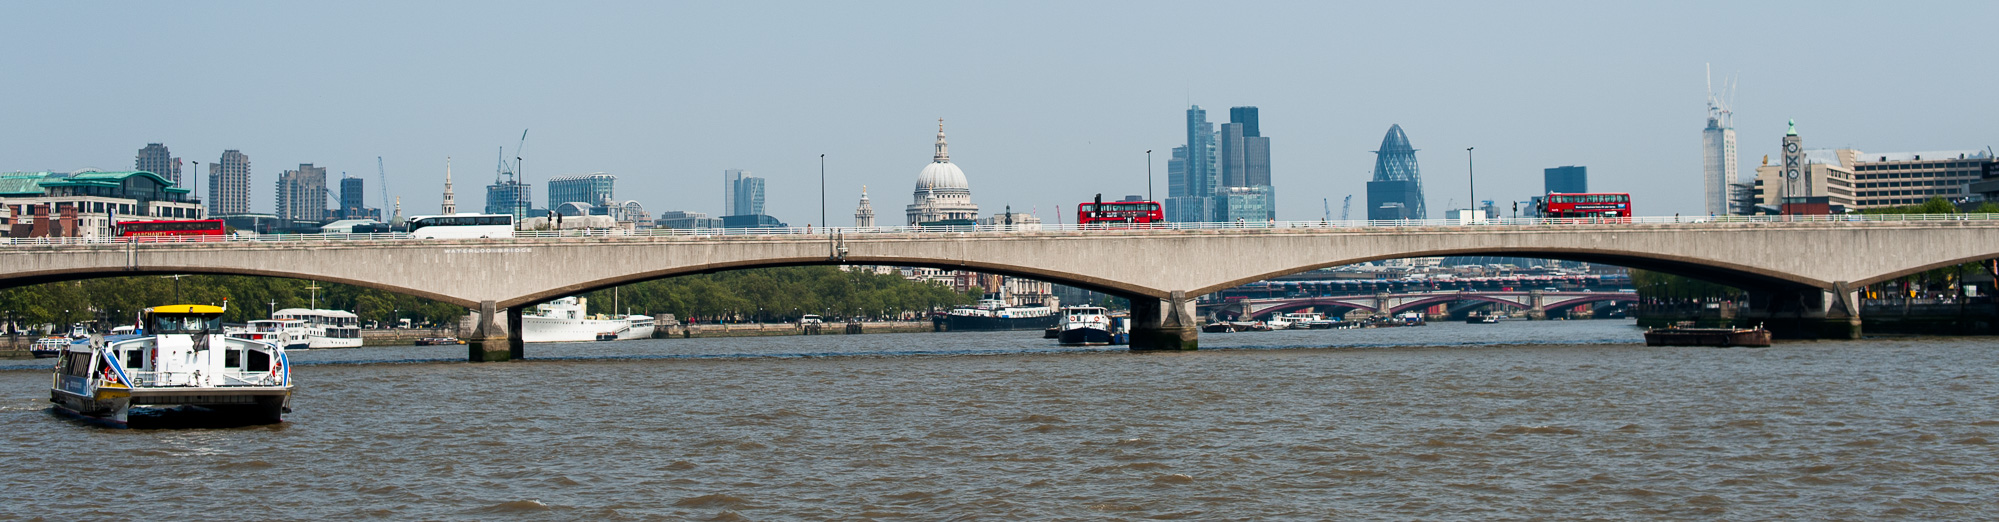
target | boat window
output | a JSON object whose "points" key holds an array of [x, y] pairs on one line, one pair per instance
{"points": [[232, 358], [258, 362], [135, 358], [181, 324]]}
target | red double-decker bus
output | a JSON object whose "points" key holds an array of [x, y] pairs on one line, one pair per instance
{"points": [[1604, 205], [199, 230], [1119, 212]]}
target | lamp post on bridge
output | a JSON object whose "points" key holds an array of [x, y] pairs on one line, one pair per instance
{"points": [[1471, 180], [1148, 175]]}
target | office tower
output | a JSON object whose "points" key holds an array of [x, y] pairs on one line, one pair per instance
{"points": [[229, 184], [742, 193], [730, 178], [350, 193], [1247, 117], [1191, 174], [1566, 180], [302, 194], [864, 215], [1718, 166], [1200, 154], [156, 159], [594, 188], [1397, 189], [510, 197], [1230, 160]]}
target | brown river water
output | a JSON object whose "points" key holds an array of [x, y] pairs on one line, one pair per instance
{"points": [[1451, 421]]}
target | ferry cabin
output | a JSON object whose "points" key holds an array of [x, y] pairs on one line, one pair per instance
{"points": [[184, 360]]}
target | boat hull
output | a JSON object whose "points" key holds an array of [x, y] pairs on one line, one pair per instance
{"points": [[1085, 336], [971, 323], [552, 330], [1707, 337]]}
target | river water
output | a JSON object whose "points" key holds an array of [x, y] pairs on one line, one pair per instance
{"points": [[1518, 419]]}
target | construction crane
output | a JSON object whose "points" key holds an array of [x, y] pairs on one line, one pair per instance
{"points": [[511, 171], [383, 175], [1346, 207], [1328, 205]]}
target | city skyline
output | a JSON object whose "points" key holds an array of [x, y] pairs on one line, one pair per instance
{"points": [[1534, 99]]}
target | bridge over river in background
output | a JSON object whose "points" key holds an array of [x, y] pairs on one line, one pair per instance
{"points": [[1801, 276]]}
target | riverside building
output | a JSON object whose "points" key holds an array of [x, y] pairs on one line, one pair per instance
{"points": [[88, 203]]}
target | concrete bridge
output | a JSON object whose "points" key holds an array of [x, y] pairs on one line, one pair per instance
{"points": [[1535, 302], [1801, 276]]}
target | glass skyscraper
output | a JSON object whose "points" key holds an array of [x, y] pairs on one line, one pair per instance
{"points": [[1397, 189], [594, 189], [1566, 180]]}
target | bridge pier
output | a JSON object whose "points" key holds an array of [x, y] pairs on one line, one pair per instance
{"points": [[1806, 313], [488, 343], [1537, 309], [1164, 324]]}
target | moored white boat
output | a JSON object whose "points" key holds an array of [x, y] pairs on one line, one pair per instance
{"points": [[289, 334], [326, 328], [183, 361], [564, 321]]}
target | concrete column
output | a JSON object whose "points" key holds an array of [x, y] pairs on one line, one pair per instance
{"points": [[1536, 305], [1381, 305], [1164, 324], [516, 340], [487, 343]]}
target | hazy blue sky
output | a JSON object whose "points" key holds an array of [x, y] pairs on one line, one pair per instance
{"points": [[1046, 103]]}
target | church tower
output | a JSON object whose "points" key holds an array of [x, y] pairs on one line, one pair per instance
{"points": [[864, 216], [450, 206]]}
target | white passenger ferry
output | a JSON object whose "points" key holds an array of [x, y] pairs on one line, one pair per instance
{"points": [[326, 328], [564, 321], [182, 361], [290, 334]]}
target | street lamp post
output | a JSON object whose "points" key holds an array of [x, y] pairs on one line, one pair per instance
{"points": [[1148, 175], [822, 192], [1471, 180]]}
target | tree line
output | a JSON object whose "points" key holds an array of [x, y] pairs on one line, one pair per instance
{"points": [[769, 293], [779, 294]]}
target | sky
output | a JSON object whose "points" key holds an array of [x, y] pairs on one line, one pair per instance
{"points": [[1046, 103]]}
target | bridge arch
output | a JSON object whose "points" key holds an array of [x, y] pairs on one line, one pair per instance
{"points": [[1740, 276], [1890, 276], [1104, 286], [20, 279], [1449, 298]]}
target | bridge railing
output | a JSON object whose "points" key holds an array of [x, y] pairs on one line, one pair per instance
{"points": [[1686, 221]]}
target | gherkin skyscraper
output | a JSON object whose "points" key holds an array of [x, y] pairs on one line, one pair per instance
{"points": [[1397, 189]]}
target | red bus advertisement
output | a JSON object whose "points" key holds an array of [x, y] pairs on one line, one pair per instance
{"points": [[1606, 205], [1120, 212], [201, 230]]}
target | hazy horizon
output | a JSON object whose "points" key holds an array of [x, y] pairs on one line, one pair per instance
{"points": [[1046, 104]]}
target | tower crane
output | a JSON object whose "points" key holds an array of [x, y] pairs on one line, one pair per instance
{"points": [[1345, 207], [1328, 205]]}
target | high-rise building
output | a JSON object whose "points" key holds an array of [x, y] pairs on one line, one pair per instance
{"points": [[731, 178], [1247, 117], [353, 200], [1397, 189], [1565, 180], [942, 193], [302, 194], [229, 184], [745, 193], [864, 215], [1196, 171], [155, 158], [510, 197], [595, 189], [1718, 162]]}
